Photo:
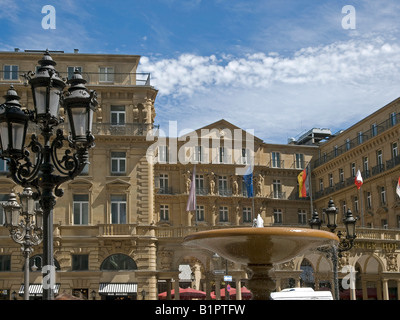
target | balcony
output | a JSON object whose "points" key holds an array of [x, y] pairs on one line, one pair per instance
{"points": [[348, 145], [92, 78], [107, 129]]}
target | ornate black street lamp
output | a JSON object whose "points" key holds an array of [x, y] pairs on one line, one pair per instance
{"points": [[345, 244], [47, 168], [349, 221], [27, 232]]}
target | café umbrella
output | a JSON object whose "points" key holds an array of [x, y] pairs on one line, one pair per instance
{"points": [[184, 294]]}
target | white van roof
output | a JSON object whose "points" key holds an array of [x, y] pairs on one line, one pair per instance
{"points": [[301, 294]]}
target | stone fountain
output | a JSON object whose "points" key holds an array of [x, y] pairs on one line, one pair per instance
{"points": [[260, 247]]}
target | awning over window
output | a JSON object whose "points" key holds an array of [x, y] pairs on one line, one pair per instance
{"points": [[36, 290], [117, 289]]}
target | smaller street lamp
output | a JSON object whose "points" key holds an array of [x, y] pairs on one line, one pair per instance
{"points": [[345, 244], [28, 231], [349, 221]]}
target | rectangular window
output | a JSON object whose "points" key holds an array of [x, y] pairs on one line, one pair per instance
{"points": [[117, 115], [277, 189], [163, 155], [395, 150], [393, 119], [379, 157], [330, 179], [360, 137], [321, 185], [164, 184], [118, 162], [302, 216], [369, 200], [118, 209], [71, 71], [348, 145], [356, 204], [5, 262], [278, 216], [200, 213], [353, 169], [366, 166], [374, 129], [223, 185], [164, 212], [198, 154], [383, 195], [223, 155], [275, 159], [80, 262], [81, 209], [246, 156], [10, 72], [223, 214], [199, 182], [246, 214], [299, 161], [341, 175], [106, 74]]}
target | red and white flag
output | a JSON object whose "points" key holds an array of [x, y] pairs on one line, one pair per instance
{"points": [[359, 180], [398, 188]]}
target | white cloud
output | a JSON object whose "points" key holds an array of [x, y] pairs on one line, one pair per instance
{"points": [[324, 86]]}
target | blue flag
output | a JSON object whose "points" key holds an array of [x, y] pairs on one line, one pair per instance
{"points": [[248, 181]]}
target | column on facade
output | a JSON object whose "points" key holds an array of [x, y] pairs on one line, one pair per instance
{"points": [[353, 295], [379, 290], [364, 289], [238, 289], [176, 289], [278, 284], [208, 286], [398, 289], [168, 289], [385, 289], [218, 289]]}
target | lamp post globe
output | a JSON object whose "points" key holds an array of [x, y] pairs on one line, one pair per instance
{"points": [[13, 125]]}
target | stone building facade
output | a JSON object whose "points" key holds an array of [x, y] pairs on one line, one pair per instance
{"points": [[119, 228]]}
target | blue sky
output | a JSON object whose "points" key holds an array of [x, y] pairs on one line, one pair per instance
{"points": [[278, 67]]}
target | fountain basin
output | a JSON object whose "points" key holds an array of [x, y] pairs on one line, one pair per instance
{"points": [[260, 245], [260, 248]]}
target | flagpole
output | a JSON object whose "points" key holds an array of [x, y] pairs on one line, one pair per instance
{"points": [[253, 213], [361, 208], [310, 189]]}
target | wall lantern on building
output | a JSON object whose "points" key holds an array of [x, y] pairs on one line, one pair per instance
{"points": [[44, 164]]}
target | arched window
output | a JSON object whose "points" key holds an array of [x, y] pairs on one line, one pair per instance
{"points": [[118, 262]]}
